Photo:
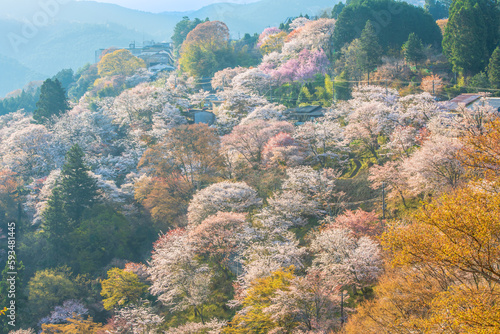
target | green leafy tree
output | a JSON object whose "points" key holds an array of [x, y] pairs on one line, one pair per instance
{"points": [[207, 50], [494, 69], [52, 102], [471, 35], [48, 288], [342, 87], [121, 288], [413, 49], [119, 62], [370, 53], [102, 235], [305, 97]]}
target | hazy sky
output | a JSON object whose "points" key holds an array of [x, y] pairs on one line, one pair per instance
{"points": [[157, 6]]}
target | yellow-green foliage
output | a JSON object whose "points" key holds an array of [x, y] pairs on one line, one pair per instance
{"points": [[49, 288], [273, 43], [73, 326], [259, 297], [121, 287], [120, 62]]}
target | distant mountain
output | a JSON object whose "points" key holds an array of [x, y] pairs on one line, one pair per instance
{"points": [[68, 34], [15, 75]]}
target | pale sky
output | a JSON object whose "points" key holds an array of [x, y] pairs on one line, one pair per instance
{"points": [[157, 6]]}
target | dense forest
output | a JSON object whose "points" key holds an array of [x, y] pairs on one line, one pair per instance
{"points": [[121, 213]]}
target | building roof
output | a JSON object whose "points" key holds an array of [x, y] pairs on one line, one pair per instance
{"points": [[462, 100], [305, 110]]}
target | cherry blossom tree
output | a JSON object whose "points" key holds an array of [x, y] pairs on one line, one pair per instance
{"points": [[179, 281], [401, 141], [69, 309], [392, 177], [323, 140], [237, 104], [273, 252], [282, 150], [266, 33], [344, 259], [302, 68], [434, 167], [30, 150], [360, 222], [248, 140], [313, 35], [366, 123], [309, 301], [253, 80], [416, 110], [136, 319], [223, 196], [224, 78], [217, 237], [268, 112], [213, 327]]}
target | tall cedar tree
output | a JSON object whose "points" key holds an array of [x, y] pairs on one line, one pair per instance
{"points": [[57, 226], [413, 49], [471, 34], [78, 188], [371, 52], [52, 102], [494, 69]]}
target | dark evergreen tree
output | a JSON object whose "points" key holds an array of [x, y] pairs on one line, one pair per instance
{"points": [[370, 51], [57, 227], [337, 9], [494, 69], [471, 34], [66, 78], [438, 9], [52, 102], [182, 29], [393, 21], [79, 190], [413, 49]]}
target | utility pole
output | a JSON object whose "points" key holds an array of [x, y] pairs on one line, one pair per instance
{"points": [[383, 200], [342, 320]]}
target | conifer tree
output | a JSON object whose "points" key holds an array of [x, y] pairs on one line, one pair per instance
{"points": [[78, 188], [57, 226], [471, 34], [494, 69], [413, 49], [370, 50], [52, 102]]}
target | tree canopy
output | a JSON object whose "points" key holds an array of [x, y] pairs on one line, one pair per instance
{"points": [[393, 21]]}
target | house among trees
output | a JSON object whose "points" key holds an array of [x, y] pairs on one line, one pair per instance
{"points": [[304, 114], [471, 100], [157, 56], [197, 116]]}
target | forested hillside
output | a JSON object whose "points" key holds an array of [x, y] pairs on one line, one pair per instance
{"points": [[313, 178]]}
